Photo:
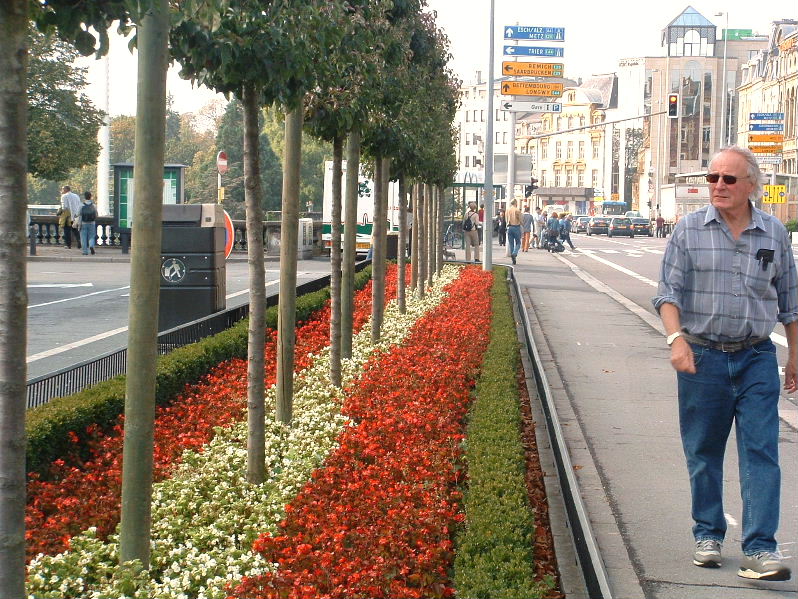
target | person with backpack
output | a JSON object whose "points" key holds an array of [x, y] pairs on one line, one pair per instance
{"points": [[553, 232], [88, 224], [470, 232]]}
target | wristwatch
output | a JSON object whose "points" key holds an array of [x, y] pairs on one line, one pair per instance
{"points": [[672, 337]]}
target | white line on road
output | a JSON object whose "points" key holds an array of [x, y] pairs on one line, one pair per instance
{"points": [[105, 335], [69, 299], [620, 268], [68, 346], [60, 285]]}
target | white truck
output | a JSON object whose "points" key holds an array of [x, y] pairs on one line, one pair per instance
{"points": [[365, 208]]}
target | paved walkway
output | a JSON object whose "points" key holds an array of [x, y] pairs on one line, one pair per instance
{"points": [[615, 392]]}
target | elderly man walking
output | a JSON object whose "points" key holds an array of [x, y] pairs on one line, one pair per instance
{"points": [[728, 275]]}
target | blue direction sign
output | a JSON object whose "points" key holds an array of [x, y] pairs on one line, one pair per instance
{"points": [[766, 116], [766, 127], [533, 51], [548, 34]]}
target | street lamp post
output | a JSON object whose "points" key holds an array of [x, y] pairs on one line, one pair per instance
{"points": [[724, 124], [487, 248]]}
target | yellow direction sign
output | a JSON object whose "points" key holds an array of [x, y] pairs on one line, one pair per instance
{"points": [[531, 88], [768, 137], [532, 69], [775, 194], [766, 149]]}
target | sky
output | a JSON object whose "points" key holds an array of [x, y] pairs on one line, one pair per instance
{"points": [[597, 35]]}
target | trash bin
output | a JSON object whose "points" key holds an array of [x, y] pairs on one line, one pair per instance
{"points": [[392, 251], [193, 283], [305, 239]]}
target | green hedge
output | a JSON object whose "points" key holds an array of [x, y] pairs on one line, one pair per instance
{"points": [[494, 550], [47, 426]]}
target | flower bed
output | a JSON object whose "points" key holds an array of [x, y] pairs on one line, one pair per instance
{"points": [[377, 520], [206, 516], [218, 400]]}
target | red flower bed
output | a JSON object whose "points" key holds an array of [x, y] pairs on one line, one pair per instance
{"points": [[83, 494], [377, 520]]}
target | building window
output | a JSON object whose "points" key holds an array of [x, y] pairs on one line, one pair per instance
{"points": [[468, 140], [497, 114], [570, 151], [504, 137], [595, 149], [475, 116], [544, 150], [468, 116], [558, 149], [581, 121], [498, 137], [482, 116], [543, 178], [569, 181], [557, 177], [581, 150], [559, 122], [594, 178], [570, 122], [580, 178], [505, 114], [466, 161]]}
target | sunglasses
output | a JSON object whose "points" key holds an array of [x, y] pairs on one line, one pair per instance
{"points": [[727, 179]]}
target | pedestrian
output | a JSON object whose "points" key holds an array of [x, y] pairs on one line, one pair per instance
{"points": [[537, 228], [728, 274], [502, 221], [513, 229], [526, 229], [88, 224], [565, 230], [552, 231], [540, 228], [70, 206], [470, 232], [660, 226]]}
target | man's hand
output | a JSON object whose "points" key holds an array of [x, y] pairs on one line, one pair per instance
{"points": [[791, 376], [682, 356]]}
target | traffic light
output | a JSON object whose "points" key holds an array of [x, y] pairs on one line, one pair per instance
{"points": [[673, 106], [528, 189]]}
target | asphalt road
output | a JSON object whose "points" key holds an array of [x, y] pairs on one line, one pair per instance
{"points": [[79, 310]]}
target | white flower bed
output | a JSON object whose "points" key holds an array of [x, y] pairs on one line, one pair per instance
{"points": [[206, 516]]}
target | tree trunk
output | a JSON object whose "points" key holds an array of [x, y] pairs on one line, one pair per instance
{"points": [[335, 265], [256, 385], [350, 243], [401, 245], [142, 354], [440, 229], [13, 293], [414, 239], [421, 284], [378, 255], [289, 232], [430, 193]]}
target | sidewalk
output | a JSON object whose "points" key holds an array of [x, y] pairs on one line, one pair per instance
{"points": [[615, 393]]}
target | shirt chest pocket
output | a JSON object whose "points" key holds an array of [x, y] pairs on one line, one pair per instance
{"points": [[757, 276]]}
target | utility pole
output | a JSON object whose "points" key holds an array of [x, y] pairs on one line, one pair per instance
{"points": [[487, 248]]}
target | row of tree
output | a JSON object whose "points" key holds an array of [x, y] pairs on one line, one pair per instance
{"points": [[368, 76]]}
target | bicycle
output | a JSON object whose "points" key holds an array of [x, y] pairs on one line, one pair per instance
{"points": [[453, 238]]}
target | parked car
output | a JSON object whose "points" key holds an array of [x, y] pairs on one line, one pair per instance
{"points": [[620, 225], [580, 225], [597, 224], [643, 227]]}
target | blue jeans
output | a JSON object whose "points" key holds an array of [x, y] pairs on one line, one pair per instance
{"points": [[742, 387], [88, 231], [514, 239]]}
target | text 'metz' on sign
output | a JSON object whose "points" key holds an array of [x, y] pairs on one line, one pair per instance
{"points": [[521, 32]]}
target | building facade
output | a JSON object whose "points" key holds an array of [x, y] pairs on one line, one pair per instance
{"points": [[769, 83]]}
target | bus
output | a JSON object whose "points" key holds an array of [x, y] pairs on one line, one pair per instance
{"points": [[610, 208], [365, 208]]}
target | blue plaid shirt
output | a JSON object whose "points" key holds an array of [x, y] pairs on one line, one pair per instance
{"points": [[723, 292]]}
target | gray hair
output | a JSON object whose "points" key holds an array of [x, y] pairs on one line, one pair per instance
{"points": [[754, 172]]}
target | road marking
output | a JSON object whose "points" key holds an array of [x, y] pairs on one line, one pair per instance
{"points": [[69, 299], [620, 268], [63, 348], [60, 285]]}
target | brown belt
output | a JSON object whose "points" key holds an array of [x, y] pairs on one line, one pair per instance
{"points": [[724, 346]]}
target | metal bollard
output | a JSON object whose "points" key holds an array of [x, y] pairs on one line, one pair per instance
{"points": [[32, 239]]}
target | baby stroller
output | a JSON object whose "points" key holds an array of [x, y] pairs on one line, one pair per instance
{"points": [[553, 243]]}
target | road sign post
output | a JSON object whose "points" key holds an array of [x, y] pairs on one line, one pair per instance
{"points": [[532, 69], [531, 88], [531, 106], [540, 51]]}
